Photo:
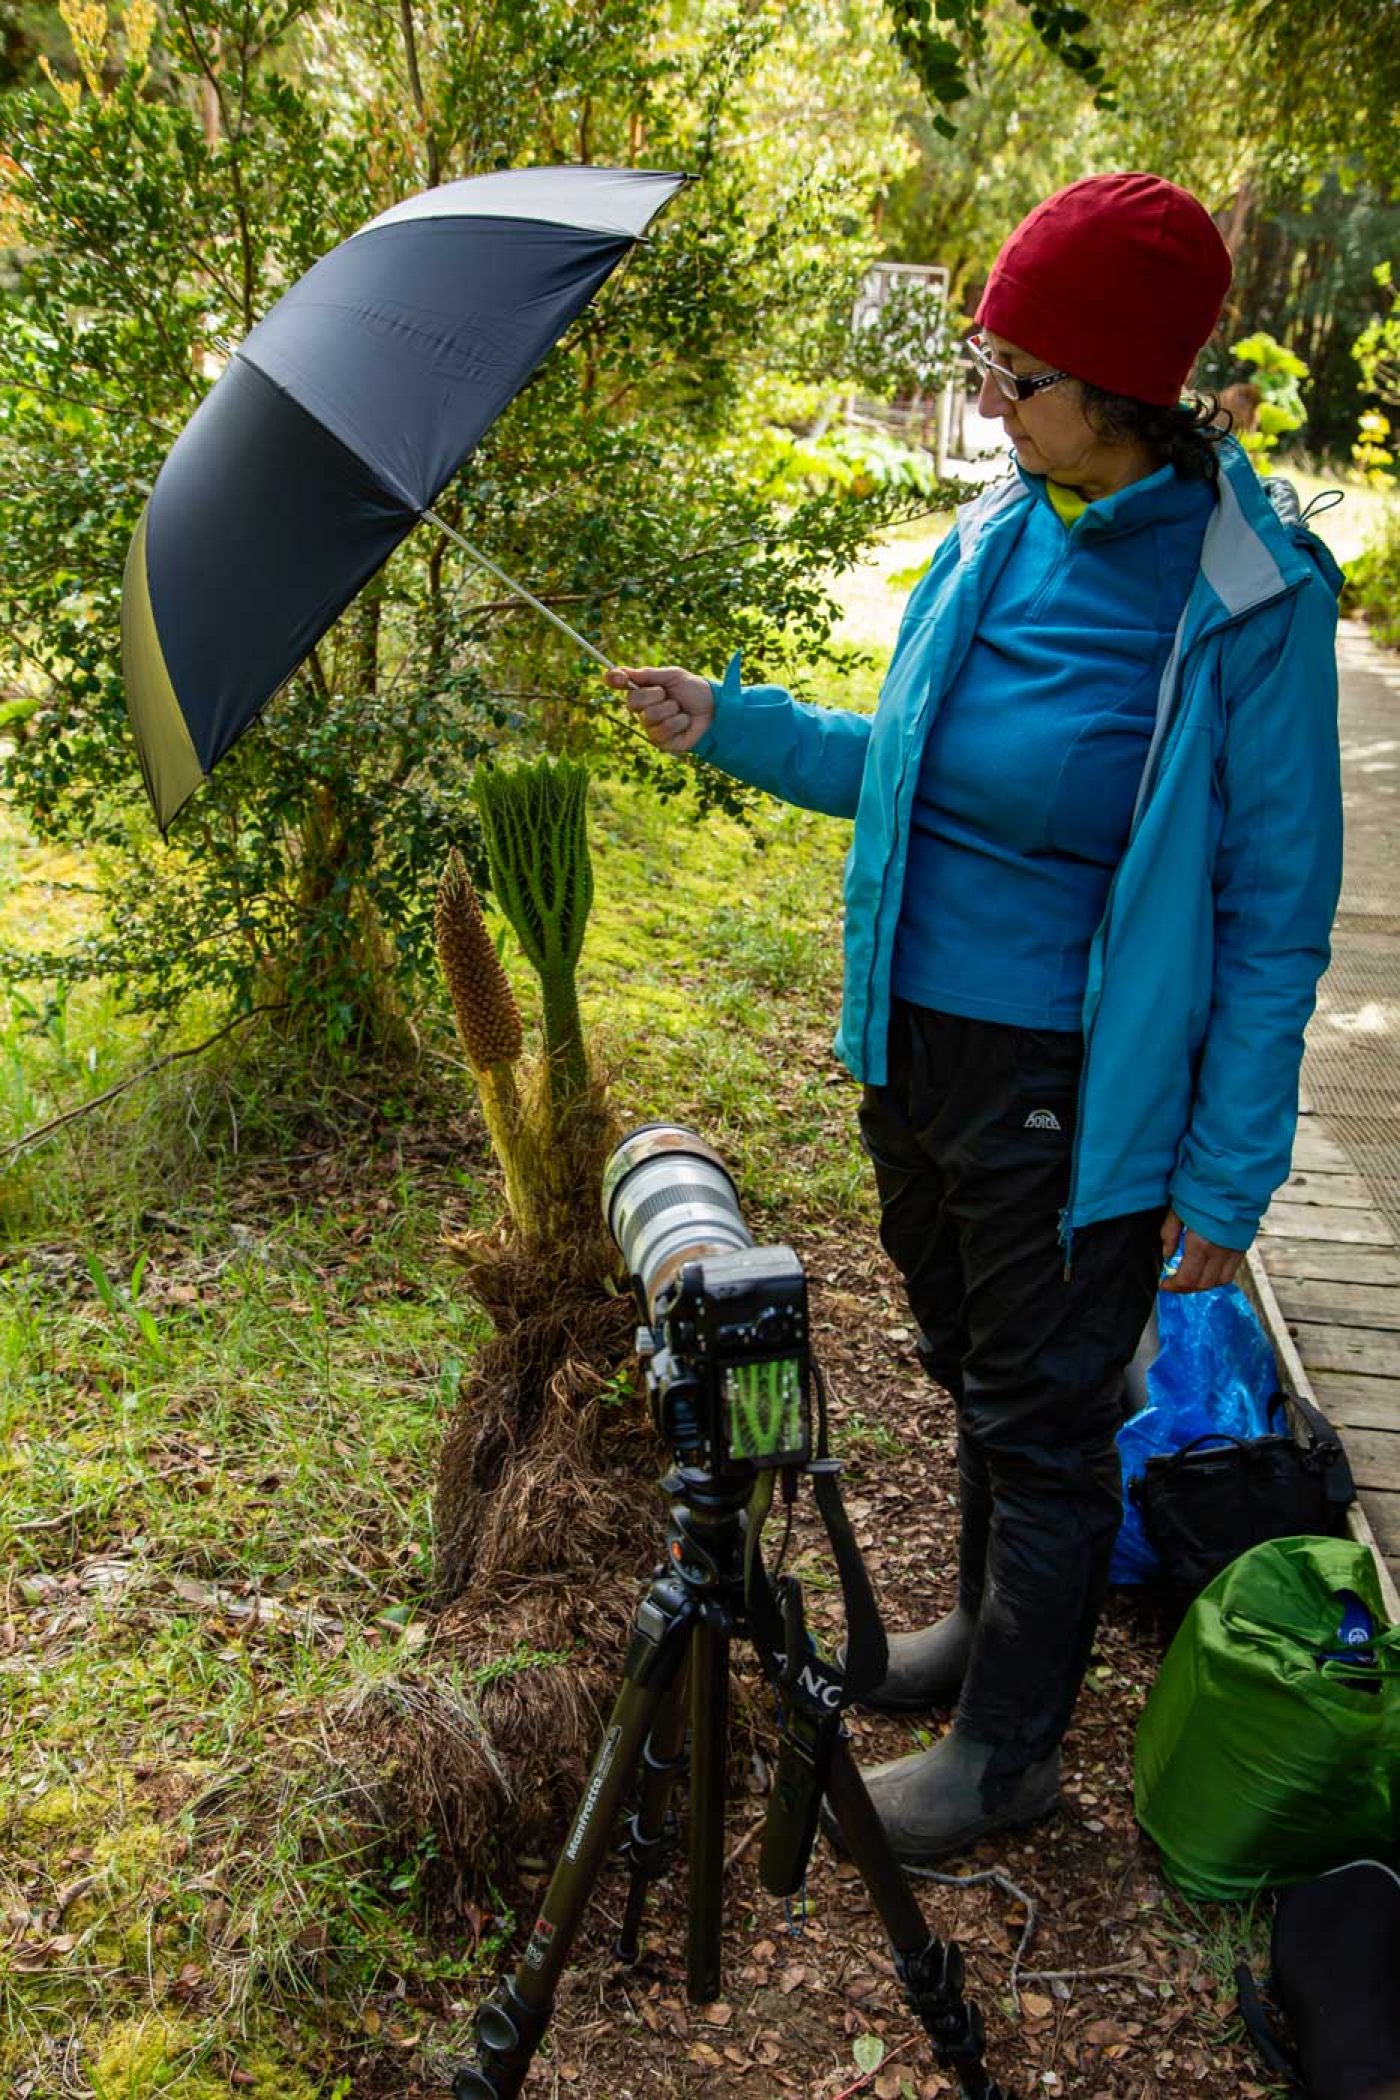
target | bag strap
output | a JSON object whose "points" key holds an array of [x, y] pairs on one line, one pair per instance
{"points": [[1211, 1436], [1264, 2034], [1164, 1462], [1325, 1448]]}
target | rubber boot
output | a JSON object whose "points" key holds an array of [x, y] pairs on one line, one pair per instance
{"points": [[926, 1668], [1046, 1574], [944, 1799]]}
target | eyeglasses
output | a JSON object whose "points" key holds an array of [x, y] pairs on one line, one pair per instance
{"points": [[1010, 383]]}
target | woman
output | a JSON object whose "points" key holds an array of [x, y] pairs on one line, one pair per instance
{"points": [[1095, 861]]}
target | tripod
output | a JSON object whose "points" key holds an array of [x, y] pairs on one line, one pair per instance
{"points": [[711, 1587]]}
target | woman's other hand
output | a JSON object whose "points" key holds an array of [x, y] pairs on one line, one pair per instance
{"points": [[676, 707], [1203, 1265]]}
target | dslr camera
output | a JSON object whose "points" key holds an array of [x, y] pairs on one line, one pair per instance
{"points": [[724, 1334]]}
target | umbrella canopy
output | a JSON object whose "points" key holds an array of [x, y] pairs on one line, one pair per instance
{"points": [[333, 428]]}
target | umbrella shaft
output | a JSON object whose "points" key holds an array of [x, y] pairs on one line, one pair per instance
{"points": [[519, 590]]}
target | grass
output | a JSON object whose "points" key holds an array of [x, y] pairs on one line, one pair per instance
{"points": [[229, 1337]]}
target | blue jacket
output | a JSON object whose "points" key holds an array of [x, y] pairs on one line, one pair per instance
{"points": [[1204, 968]]}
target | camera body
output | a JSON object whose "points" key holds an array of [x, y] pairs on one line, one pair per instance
{"points": [[728, 1369], [725, 1334]]}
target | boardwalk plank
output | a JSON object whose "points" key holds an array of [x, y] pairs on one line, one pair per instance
{"points": [[1353, 1402], [1326, 1261], [1315, 1147], [1339, 1304], [1313, 1187], [1320, 1221], [1375, 1460], [1383, 1515], [1366, 1349]]}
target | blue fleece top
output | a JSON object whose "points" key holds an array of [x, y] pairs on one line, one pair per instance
{"points": [[1032, 765]]}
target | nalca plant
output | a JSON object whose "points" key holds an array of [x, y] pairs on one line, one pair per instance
{"points": [[542, 1506], [543, 1510], [548, 1120]]}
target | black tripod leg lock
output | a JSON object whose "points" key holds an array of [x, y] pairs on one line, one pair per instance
{"points": [[649, 1855], [933, 1980], [508, 2032]]}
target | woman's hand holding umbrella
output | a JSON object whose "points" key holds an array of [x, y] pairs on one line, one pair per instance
{"points": [[674, 706]]}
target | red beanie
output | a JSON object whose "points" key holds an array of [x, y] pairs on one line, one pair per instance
{"points": [[1118, 279]]}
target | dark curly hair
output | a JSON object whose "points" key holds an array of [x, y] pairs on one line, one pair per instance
{"points": [[1186, 436]]}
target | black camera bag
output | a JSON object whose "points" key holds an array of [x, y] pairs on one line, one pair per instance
{"points": [[1335, 1968], [1206, 1504]]}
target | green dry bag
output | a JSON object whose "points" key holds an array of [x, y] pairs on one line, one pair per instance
{"points": [[1269, 1748]]}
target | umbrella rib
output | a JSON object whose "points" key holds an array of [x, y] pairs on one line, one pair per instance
{"points": [[518, 588]]}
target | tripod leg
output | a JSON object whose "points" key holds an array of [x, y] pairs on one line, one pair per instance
{"points": [[930, 1971], [511, 2024], [648, 1838], [709, 1737]]}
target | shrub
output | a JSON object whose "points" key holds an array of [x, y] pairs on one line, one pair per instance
{"points": [[1373, 582]]}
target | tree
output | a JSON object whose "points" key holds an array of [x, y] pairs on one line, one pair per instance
{"points": [[165, 192], [1305, 273], [941, 58], [1029, 126], [1247, 105]]}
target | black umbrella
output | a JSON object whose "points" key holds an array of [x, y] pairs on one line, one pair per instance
{"points": [[332, 430]]}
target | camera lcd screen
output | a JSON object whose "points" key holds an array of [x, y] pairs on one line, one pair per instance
{"points": [[764, 1410]]}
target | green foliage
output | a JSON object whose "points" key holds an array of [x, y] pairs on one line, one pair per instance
{"points": [[160, 212], [941, 57], [1279, 375], [1377, 348], [1029, 126], [1247, 107], [906, 346], [1377, 352], [1373, 581], [534, 822], [1305, 262], [847, 457], [1371, 449], [1322, 85]]}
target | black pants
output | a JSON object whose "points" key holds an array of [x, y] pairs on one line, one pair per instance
{"points": [[971, 1139]]}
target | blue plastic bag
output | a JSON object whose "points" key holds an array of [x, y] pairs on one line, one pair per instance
{"points": [[1214, 1374]]}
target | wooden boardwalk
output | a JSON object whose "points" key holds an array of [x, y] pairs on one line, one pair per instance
{"points": [[1326, 1275], [1326, 1266]]}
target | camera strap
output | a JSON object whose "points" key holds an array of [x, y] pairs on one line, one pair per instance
{"points": [[813, 1690]]}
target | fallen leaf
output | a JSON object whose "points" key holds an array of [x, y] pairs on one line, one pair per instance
{"points": [[868, 2053], [717, 2015], [792, 1979], [1035, 2007]]}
